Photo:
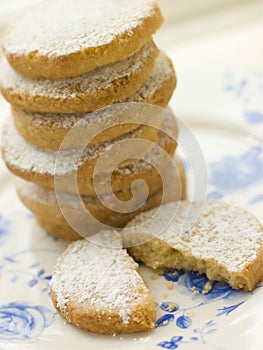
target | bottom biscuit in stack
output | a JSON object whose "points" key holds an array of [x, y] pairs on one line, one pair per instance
{"points": [[44, 204]]}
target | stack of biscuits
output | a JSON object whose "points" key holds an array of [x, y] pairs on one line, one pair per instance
{"points": [[82, 78], [87, 88]]}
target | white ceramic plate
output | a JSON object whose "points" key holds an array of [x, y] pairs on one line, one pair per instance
{"points": [[225, 112]]}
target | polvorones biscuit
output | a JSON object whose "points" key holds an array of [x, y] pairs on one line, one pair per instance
{"points": [[91, 91], [96, 287], [92, 275], [42, 166], [224, 242], [62, 39], [48, 130], [50, 212]]}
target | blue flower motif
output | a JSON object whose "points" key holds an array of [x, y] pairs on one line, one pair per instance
{"points": [[22, 322], [234, 173], [220, 290], [172, 344], [238, 87], [183, 322], [169, 307], [32, 283], [253, 117], [193, 281], [4, 228], [164, 320], [40, 276], [173, 275], [228, 309]]}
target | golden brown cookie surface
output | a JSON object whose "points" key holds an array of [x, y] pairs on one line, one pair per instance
{"points": [[62, 39], [49, 213], [42, 166], [225, 242], [91, 91], [96, 286], [48, 130]]}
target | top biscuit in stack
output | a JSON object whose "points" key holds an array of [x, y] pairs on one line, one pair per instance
{"points": [[66, 60], [63, 39], [109, 43]]}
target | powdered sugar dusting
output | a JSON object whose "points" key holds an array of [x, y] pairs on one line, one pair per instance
{"points": [[100, 275], [96, 80], [162, 72], [22, 155], [157, 155], [62, 27], [41, 195], [109, 116], [223, 232], [49, 197]]}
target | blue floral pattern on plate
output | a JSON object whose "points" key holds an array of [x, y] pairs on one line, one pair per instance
{"points": [[20, 321], [202, 292], [4, 228], [248, 90], [24, 321], [193, 315], [234, 173], [199, 338], [172, 343], [253, 117]]}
